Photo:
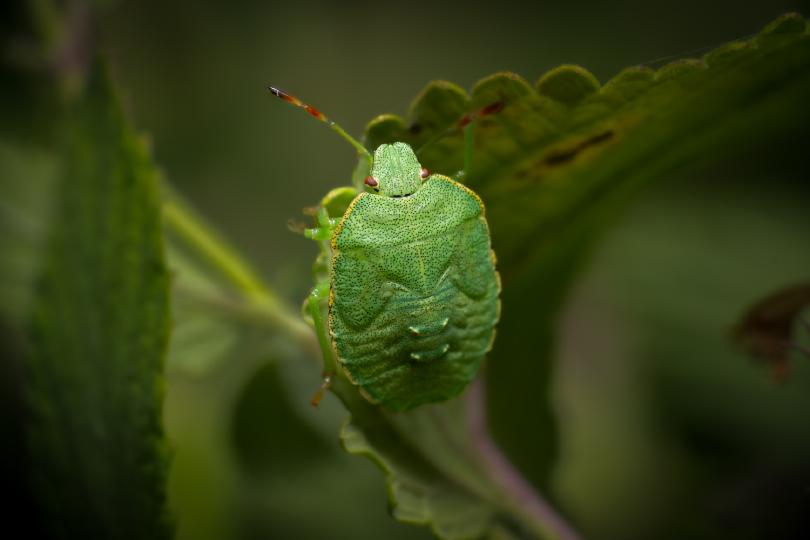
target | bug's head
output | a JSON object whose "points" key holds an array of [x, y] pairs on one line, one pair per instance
{"points": [[395, 172]]}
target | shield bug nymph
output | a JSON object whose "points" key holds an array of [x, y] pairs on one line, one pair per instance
{"points": [[413, 293]]}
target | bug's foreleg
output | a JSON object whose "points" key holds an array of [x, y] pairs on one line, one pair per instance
{"points": [[468, 147], [321, 233], [318, 294], [325, 226]]}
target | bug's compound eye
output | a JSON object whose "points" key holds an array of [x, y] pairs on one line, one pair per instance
{"points": [[372, 182], [424, 173]]}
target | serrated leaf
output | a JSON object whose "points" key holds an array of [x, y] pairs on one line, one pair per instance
{"points": [[563, 129], [554, 166], [420, 495], [443, 470], [99, 335], [419, 492]]}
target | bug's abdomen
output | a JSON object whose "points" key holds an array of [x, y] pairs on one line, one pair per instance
{"points": [[414, 293], [419, 349]]}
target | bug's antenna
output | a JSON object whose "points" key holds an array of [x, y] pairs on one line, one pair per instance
{"points": [[361, 150], [462, 123]]}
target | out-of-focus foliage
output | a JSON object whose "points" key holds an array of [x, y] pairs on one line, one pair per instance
{"points": [[100, 330]]}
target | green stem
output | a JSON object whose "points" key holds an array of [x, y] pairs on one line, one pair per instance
{"points": [[181, 220], [235, 308], [518, 496]]}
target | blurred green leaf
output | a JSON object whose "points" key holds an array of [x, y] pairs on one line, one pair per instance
{"points": [[228, 335], [99, 334], [27, 181], [561, 159], [220, 301], [286, 442], [210, 323]]}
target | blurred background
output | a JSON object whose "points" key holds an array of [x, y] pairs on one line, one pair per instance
{"points": [[667, 430]]}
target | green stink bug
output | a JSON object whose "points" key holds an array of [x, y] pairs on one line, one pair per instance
{"points": [[412, 289]]}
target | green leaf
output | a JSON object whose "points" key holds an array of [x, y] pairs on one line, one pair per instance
{"points": [[99, 334], [27, 181], [554, 166], [415, 451]]}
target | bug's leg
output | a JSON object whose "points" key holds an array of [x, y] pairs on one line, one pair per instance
{"points": [[468, 147], [467, 123], [326, 225], [321, 234], [468, 151], [314, 301], [325, 385]]}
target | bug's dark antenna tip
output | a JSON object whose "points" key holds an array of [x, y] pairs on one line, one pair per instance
{"points": [[291, 99]]}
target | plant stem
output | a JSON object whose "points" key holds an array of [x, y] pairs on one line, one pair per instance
{"points": [[247, 312], [527, 504], [181, 220]]}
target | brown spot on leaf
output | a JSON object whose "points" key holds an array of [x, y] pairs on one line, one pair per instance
{"points": [[488, 110], [765, 329], [492, 108], [465, 120]]}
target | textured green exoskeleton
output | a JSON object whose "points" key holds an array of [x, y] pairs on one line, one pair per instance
{"points": [[414, 297], [412, 286]]}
